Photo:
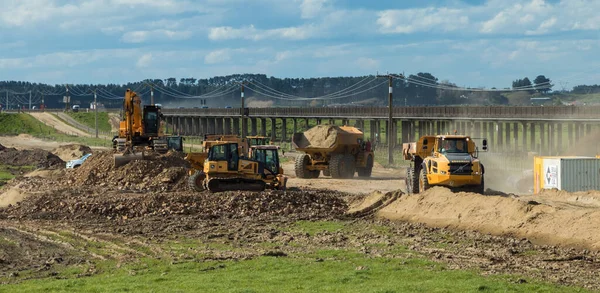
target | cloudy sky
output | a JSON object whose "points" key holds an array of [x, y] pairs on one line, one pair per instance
{"points": [[473, 43]]}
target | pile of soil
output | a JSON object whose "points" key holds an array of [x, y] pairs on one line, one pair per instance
{"points": [[153, 173], [92, 204], [552, 217], [321, 137], [71, 151], [36, 157]]}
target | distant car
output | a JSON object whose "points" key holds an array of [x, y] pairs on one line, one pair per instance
{"points": [[204, 107], [227, 107], [77, 162]]}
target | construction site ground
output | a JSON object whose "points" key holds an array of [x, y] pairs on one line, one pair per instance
{"points": [[139, 228]]}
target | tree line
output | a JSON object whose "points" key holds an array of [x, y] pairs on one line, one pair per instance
{"points": [[418, 89]]}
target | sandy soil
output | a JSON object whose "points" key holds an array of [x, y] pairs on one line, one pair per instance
{"points": [[24, 141], [60, 126], [382, 179]]}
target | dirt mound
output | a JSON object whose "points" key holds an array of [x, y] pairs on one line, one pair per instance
{"points": [[538, 218], [36, 157], [91, 204], [155, 172], [71, 151], [321, 136]]}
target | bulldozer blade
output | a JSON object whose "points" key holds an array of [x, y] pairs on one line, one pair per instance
{"points": [[121, 160]]}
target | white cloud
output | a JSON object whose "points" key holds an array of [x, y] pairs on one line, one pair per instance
{"points": [[313, 8], [367, 63], [426, 19], [144, 61], [252, 33], [143, 36], [218, 56]]}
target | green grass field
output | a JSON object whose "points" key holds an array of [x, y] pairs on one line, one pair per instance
{"points": [[15, 124], [88, 119], [310, 269]]}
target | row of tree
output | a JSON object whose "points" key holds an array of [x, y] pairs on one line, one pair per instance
{"points": [[416, 89]]}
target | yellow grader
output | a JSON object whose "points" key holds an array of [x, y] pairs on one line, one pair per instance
{"points": [[444, 160], [338, 151]]}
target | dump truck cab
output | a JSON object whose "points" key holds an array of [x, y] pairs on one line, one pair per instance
{"points": [[444, 160]]}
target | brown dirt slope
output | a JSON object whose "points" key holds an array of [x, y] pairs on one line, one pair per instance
{"points": [[155, 172], [36, 157], [540, 218], [71, 151]]}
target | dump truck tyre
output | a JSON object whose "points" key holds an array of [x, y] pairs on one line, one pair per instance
{"points": [[481, 188], [423, 182], [349, 166], [412, 182], [335, 165], [367, 170], [300, 167]]}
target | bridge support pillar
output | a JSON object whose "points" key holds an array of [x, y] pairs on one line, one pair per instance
{"points": [[570, 134], [253, 130], [178, 126], [227, 125], [543, 138], [491, 132], [524, 136], [532, 138], [263, 126], [507, 136], [331, 122], [588, 129], [236, 125], [283, 129], [212, 125], [477, 127], [318, 121], [404, 127], [578, 131], [550, 144], [244, 127], [273, 129], [294, 126], [515, 140], [219, 124], [372, 130]]}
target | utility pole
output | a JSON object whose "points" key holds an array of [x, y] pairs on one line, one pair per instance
{"points": [[152, 95], [68, 99], [96, 112], [6, 100], [391, 130], [243, 112], [29, 100], [42, 106]]}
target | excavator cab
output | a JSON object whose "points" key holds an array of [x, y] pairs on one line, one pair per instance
{"points": [[151, 120]]}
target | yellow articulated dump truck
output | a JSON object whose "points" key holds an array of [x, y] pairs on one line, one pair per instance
{"points": [[338, 151], [444, 160]]}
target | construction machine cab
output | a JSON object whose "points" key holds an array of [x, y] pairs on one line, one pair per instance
{"points": [[268, 156], [151, 120]]}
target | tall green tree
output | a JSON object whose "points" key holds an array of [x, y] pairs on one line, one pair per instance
{"points": [[542, 84]]}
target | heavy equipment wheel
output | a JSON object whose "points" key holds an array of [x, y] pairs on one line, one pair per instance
{"points": [[336, 165], [349, 166], [367, 170], [196, 181], [412, 182], [302, 162], [423, 182], [326, 172], [481, 188], [314, 173]]}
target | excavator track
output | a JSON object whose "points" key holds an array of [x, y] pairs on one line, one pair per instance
{"points": [[235, 184]]}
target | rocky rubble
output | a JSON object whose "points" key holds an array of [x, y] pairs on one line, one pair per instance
{"points": [[154, 173], [90, 204]]}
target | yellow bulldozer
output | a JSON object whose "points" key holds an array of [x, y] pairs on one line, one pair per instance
{"points": [[444, 160], [227, 167], [140, 129]]}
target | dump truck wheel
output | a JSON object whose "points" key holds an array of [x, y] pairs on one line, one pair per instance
{"points": [[423, 182], [314, 173], [412, 182], [336, 166], [349, 166], [481, 188], [300, 167], [195, 182], [326, 172], [367, 170]]}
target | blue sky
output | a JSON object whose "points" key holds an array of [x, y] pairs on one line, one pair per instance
{"points": [[470, 43]]}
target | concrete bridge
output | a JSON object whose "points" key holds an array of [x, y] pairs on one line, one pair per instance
{"points": [[545, 130]]}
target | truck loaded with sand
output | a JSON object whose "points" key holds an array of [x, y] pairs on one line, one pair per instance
{"points": [[338, 151]]}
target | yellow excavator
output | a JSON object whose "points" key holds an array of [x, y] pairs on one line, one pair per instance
{"points": [[226, 168], [140, 129]]}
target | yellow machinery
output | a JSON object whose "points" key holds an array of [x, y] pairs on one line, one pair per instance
{"points": [[338, 151], [224, 169], [444, 160], [140, 129]]}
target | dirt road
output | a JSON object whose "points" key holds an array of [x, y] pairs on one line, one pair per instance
{"points": [[59, 125], [25, 141], [382, 179]]}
